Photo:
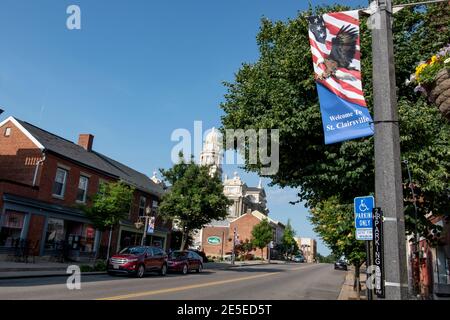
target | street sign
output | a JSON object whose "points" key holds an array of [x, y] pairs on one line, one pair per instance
{"points": [[362, 207], [378, 252]]}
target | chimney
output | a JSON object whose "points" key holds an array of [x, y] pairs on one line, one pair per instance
{"points": [[86, 141]]}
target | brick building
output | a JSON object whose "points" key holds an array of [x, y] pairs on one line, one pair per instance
{"points": [[44, 179], [217, 238]]}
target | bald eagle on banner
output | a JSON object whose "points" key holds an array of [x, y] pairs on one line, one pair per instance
{"points": [[335, 47]]}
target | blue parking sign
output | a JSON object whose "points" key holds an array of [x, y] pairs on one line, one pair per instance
{"points": [[363, 207]]}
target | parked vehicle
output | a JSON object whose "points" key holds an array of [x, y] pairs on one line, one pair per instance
{"points": [[201, 254], [138, 260], [299, 259], [341, 265], [185, 261]]}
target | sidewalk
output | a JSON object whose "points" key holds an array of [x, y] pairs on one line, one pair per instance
{"points": [[16, 270], [347, 292]]}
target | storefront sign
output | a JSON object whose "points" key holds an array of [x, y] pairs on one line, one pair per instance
{"points": [[378, 252], [214, 240]]}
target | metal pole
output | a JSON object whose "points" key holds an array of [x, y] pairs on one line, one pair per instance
{"points": [[145, 231], [368, 264], [234, 244], [388, 180]]}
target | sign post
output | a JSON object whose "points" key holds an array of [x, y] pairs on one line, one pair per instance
{"points": [[363, 207], [378, 258]]}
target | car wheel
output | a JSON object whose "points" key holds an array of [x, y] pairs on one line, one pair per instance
{"points": [[200, 268], [185, 269], [140, 271], [163, 270]]}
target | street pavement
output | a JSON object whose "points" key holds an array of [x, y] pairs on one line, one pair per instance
{"points": [[262, 282]]}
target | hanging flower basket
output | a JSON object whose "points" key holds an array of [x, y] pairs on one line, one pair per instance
{"points": [[440, 92], [433, 80]]}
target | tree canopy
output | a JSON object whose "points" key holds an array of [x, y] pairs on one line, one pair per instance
{"points": [[110, 205], [262, 234], [195, 198], [278, 91]]}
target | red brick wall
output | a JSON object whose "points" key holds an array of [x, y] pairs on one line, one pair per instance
{"points": [[18, 155], [244, 227], [35, 230], [216, 250]]}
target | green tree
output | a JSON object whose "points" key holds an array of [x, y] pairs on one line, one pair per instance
{"points": [[336, 227], [262, 234], [195, 198], [278, 91], [110, 205], [289, 245]]}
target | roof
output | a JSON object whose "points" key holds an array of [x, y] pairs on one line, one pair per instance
{"points": [[93, 159]]}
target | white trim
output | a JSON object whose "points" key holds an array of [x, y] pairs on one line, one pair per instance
{"points": [[24, 131]]}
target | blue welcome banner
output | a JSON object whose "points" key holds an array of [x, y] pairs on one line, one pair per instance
{"points": [[335, 47], [342, 120]]}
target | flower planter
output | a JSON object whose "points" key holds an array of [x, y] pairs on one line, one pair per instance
{"points": [[440, 92]]}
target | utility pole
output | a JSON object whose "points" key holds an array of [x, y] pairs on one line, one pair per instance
{"points": [[233, 254], [388, 180]]}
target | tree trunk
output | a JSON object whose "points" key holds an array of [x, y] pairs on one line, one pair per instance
{"points": [[184, 239], [262, 254]]}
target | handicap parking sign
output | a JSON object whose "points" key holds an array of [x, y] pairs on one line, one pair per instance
{"points": [[363, 207]]}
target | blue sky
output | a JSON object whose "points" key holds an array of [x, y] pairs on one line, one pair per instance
{"points": [[136, 71]]}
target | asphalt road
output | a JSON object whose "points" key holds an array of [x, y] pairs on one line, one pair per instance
{"points": [[264, 282]]}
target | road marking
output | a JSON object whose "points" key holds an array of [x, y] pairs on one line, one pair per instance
{"points": [[208, 284]]}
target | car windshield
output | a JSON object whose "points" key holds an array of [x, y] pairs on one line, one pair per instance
{"points": [[133, 250], [178, 254]]}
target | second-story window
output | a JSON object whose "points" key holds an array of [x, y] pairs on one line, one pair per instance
{"points": [[142, 202], [82, 189], [59, 186]]}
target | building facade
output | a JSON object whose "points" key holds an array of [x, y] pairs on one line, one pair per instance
{"points": [[217, 238], [308, 247], [46, 179], [244, 198]]}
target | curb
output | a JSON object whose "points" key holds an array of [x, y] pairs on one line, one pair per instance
{"points": [[51, 275]]}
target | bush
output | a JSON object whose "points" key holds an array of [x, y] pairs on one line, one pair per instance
{"points": [[86, 268], [100, 266]]}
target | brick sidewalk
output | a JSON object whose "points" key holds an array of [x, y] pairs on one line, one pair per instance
{"points": [[347, 292]]}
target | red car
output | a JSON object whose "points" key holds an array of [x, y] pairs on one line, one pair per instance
{"points": [[137, 261], [185, 261]]}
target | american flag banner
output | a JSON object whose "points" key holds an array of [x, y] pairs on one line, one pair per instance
{"points": [[335, 47]]}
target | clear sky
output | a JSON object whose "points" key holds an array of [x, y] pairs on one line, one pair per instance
{"points": [[136, 71]]}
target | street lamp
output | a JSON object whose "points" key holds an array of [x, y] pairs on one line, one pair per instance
{"points": [[139, 224]]}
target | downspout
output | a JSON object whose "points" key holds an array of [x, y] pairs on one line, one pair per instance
{"points": [[36, 170]]}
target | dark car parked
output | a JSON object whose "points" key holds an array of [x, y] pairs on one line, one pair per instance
{"points": [[341, 265], [185, 261], [201, 254], [138, 260]]}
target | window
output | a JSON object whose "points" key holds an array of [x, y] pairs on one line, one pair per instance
{"points": [[11, 228], [55, 233], [7, 132], [142, 202], [82, 189], [154, 207], [59, 185]]}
